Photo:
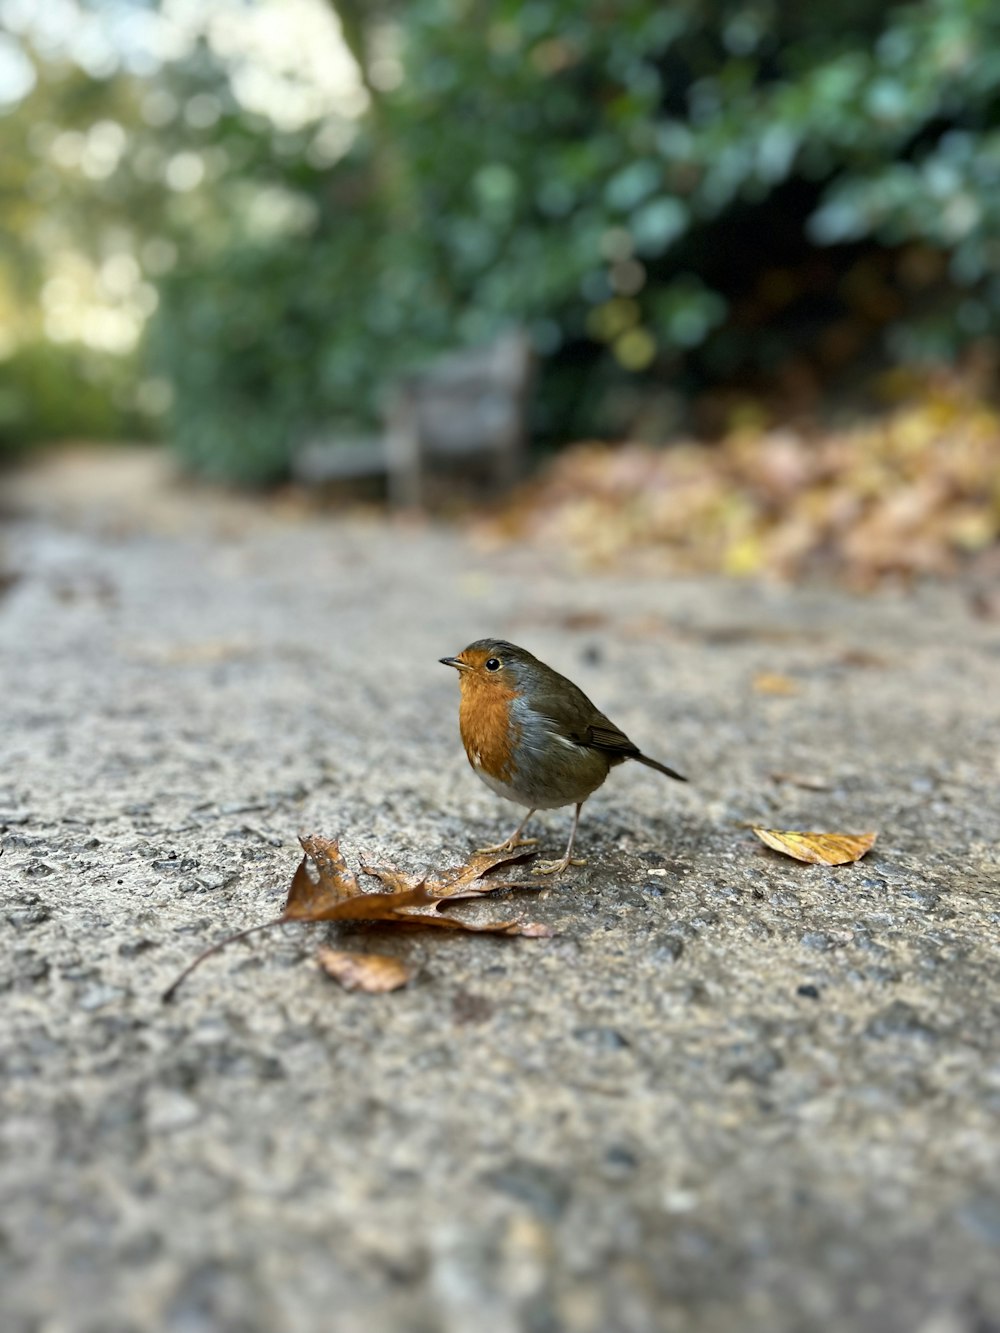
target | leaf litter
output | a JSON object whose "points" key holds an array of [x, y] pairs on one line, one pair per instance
{"points": [[324, 888], [909, 493], [332, 892]]}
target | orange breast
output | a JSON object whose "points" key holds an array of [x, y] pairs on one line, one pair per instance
{"points": [[488, 732]]}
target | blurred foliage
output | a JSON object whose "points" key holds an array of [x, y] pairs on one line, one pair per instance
{"points": [[54, 392], [740, 193], [915, 493], [47, 390], [673, 196]]}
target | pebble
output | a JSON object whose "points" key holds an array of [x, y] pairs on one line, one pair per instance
{"points": [[96, 997], [168, 1110]]}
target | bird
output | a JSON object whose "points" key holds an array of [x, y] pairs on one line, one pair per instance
{"points": [[534, 737]]}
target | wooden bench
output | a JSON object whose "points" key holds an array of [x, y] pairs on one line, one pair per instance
{"points": [[468, 404]]}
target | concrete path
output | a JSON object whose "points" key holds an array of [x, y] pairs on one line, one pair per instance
{"points": [[732, 1092]]}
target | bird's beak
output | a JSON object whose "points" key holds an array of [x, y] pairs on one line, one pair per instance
{"points": [[455, 662]]}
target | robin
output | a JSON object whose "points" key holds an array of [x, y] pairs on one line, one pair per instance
{"points": [[534, 737]]}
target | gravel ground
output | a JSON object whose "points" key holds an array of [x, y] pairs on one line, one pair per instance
{"points": [[731, 1092]]}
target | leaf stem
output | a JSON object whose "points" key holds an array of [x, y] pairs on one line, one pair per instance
{"points": [[175, 985]]}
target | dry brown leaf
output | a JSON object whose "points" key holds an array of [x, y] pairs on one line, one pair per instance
{"points": [[773, 682], [824, 849], [582, 620], [335, 895], [457, 884], [334, 882], [534, 930], [807, 781], [985, 603], [461, 881], [370, 972], [861, 657]]}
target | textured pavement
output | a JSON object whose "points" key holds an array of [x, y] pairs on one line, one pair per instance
{"points": [[731, 1092]]}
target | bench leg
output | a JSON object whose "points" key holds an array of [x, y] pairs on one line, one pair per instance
{"points": [[403, 453]]}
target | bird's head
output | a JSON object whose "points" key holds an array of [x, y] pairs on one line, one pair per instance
{"points": [[493, 664]]}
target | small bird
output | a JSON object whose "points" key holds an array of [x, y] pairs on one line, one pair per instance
{"points": [[534, 737]]}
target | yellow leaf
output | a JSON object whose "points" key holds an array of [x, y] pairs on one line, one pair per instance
{"points": [[743, 557], [772, 682], [824, 849]]}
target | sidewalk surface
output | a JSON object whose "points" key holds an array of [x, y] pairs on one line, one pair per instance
{"points": [[731, 1092]]}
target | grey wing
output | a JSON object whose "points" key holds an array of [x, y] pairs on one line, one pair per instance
{"points": [[566, 709], [602, 734], [568, 713]]}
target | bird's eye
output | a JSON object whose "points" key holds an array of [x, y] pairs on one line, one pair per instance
{"points": [[493, 664]]}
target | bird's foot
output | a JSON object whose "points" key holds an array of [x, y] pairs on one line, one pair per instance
{"points": [[508, 845], [557, 867]]}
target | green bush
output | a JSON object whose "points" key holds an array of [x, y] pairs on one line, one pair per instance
{"points": [[664, 195], [57, 391]]}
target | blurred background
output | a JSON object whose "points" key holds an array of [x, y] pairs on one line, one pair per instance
{"points": [[753, 249]]}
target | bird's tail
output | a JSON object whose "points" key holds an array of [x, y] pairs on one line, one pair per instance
{"points": [[660, 768]]}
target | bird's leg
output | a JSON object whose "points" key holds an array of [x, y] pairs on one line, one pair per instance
{"points": [[515, 839], [557, 867]]}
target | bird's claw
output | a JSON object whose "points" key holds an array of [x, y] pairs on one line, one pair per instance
{"points": [[557, 867], [509, 845]]}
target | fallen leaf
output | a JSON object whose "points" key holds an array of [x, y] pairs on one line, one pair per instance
{"points": [[824, 849], [334, 894], [807, 781], [370, 972], [458, 882], [9, 578], [772, 682], [861, 657], [334, 882], [533, 930], [985, 603], [206, 653], [582, 620]]}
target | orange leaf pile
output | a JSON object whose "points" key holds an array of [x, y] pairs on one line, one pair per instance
{"points": [[334, 894], [824, 849]]}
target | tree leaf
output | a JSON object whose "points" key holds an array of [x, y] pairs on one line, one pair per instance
{"points": [[373, 973], [336, 895], [334, 882], [773, 682], [333, 893], [432, 917], [461, 881], [825, 849], [807, 781]]}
